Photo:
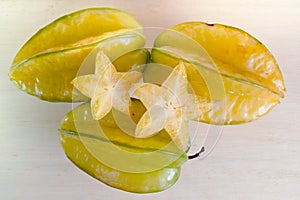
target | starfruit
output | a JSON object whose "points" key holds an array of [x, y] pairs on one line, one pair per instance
{"points": [[135, 165], [229, 66], [51, 58]]}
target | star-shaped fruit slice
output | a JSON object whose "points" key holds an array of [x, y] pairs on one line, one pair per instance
{"points": [[107, 88], [169, 107]]}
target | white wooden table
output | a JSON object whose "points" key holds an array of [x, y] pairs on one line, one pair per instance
{"points": [[259, 160]]}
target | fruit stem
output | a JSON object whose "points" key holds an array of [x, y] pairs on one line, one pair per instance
{"points": [[196, 154]]}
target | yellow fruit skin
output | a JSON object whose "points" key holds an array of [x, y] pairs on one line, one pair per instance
{"points": [[74, 27], [156, 152], [135, 59], [235, 52], [49, 77], [138, 183], [252, 82], [243, 102], [50, 59], [78, 151]]}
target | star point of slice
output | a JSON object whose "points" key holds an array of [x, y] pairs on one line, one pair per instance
{"points": [[107, 88], [169, 107]]}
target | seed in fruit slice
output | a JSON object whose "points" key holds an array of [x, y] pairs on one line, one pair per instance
{"points": [[251, 79], [169, 107], [47, 63]]}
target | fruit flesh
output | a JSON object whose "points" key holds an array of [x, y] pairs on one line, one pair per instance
{"points": [[245, 97], [79, 152]]}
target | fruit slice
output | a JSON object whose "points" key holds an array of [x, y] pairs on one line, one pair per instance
{"points": [[107, 87], [77, 146], [47, 63], [224, 56], [169, 107]]}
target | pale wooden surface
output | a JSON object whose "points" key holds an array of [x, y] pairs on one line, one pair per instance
{"points": [[260, 160]]}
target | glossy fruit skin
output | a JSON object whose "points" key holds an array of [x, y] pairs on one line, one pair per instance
{"points": [[137, 183], [55, 85], [235, 52], [248, 73], [77, 125], [74, 27], [48, 61]]}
